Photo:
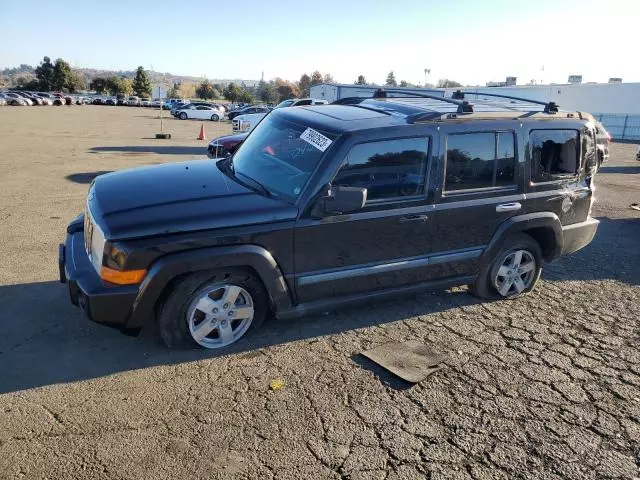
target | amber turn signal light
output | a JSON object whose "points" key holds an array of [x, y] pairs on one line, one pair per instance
{"points": [[126, 277]]}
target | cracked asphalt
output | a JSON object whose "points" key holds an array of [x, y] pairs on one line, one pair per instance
{"points": [[543, 387]]}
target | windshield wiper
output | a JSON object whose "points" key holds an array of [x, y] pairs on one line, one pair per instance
{"points": [[227, 165], [265, 191]]}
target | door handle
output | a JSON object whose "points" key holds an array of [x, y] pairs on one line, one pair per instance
{"points": [[413, 218], [508, 207]]}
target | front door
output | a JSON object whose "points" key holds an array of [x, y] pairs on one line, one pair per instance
{"points": [[384, 244]]}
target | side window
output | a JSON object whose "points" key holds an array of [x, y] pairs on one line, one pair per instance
{"points": [[480, 160], [303, 102], [202, 108], [388, 169], [554, 154]]}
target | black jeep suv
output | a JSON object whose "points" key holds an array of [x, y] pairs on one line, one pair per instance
{"points": [[325, 206]]}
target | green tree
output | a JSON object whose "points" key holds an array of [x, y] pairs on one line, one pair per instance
{"points": [[61, 75], [77, 82], [98, 84], [44, 73], [361, 80], [119, 85], [391, 80], [304, 85], [205, 91], [316, 78], [232, 92], [174, 91], [267, 92], [446, 83], [141, 83], [246, 96]]}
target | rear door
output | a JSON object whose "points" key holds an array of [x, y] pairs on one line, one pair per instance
{"points": [[480, 186]]}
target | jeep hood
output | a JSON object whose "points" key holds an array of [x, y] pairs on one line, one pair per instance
{"points": [[178, 197]]}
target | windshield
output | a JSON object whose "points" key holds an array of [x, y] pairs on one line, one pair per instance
{"points": [[286, 103], [275, 156]]}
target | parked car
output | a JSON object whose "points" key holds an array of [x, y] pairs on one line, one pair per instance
{"points": [[35, 100], [145, 102], [225, 145], [14, 99], [300, 102], [176, 111], [111, 101], [247, 110], [46, 99], [200, 112], [3, 102], [325, 206], [603, 142], [247, 122], [155, 103], [177, 106], [133, 101]]}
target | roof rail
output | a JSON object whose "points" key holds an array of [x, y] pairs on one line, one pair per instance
{"points": [[463, 106], [549, 107]]}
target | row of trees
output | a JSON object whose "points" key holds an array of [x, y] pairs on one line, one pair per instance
{"points": [[58, 76], [392, 82], [140, 85]]}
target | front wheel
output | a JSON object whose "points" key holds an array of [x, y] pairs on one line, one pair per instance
{"points": [[213, 309], [513, 271], [183, 116], [215, 118]]}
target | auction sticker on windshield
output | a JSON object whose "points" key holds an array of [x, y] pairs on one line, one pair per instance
{"points": [[316, 139]]}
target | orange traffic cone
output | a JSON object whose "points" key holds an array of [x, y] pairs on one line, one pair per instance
{"points": [[201, 136]]}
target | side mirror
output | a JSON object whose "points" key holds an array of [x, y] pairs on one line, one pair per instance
{"points": [[344, 199]]}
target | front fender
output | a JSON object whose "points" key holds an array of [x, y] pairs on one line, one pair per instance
{"points": [[168, 267]]}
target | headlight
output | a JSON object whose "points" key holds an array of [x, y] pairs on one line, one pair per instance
{"points": [[93, 240]]}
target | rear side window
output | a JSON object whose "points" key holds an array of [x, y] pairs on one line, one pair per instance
{"points": [[388, 169], [480, 160], [554, 154], [303, 102]]}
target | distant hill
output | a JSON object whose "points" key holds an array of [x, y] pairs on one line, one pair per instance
{"points": [[10, 76]]}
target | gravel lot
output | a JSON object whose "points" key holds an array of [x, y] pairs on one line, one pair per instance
{"points": [[543, 387]]}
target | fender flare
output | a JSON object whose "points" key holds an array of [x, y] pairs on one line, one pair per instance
{"points": [[168, 267], [521, 223]]}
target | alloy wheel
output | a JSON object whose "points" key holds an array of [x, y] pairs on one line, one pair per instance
{"points": [[220, 315], [516, 273]]}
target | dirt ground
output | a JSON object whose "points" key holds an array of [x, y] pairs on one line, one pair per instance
{"points": [[543, 387]]}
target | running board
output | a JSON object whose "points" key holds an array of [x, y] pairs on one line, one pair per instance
{"points": [[320, 306]]}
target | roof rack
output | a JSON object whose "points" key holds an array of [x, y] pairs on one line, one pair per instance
{"points": [[463, 106], [549, 107]]}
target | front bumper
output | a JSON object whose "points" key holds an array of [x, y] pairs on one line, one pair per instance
{"points": [[102, 302], [578, 235]]}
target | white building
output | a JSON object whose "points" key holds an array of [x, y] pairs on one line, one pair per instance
{"points": [[606, 98]]}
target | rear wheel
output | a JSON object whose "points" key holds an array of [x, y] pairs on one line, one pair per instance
{"points": [[213, 309], [183, 116], [513, 271]]}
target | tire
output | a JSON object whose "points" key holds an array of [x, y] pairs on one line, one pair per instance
{"points": [[215, 118], [181, 313], [183, 116], [490, 278]]}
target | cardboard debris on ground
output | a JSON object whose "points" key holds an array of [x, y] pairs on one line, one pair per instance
{"points": [[635, 206], [411, 360]]}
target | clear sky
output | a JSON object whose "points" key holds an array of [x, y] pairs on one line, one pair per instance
{"points": [[464, 40]]}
